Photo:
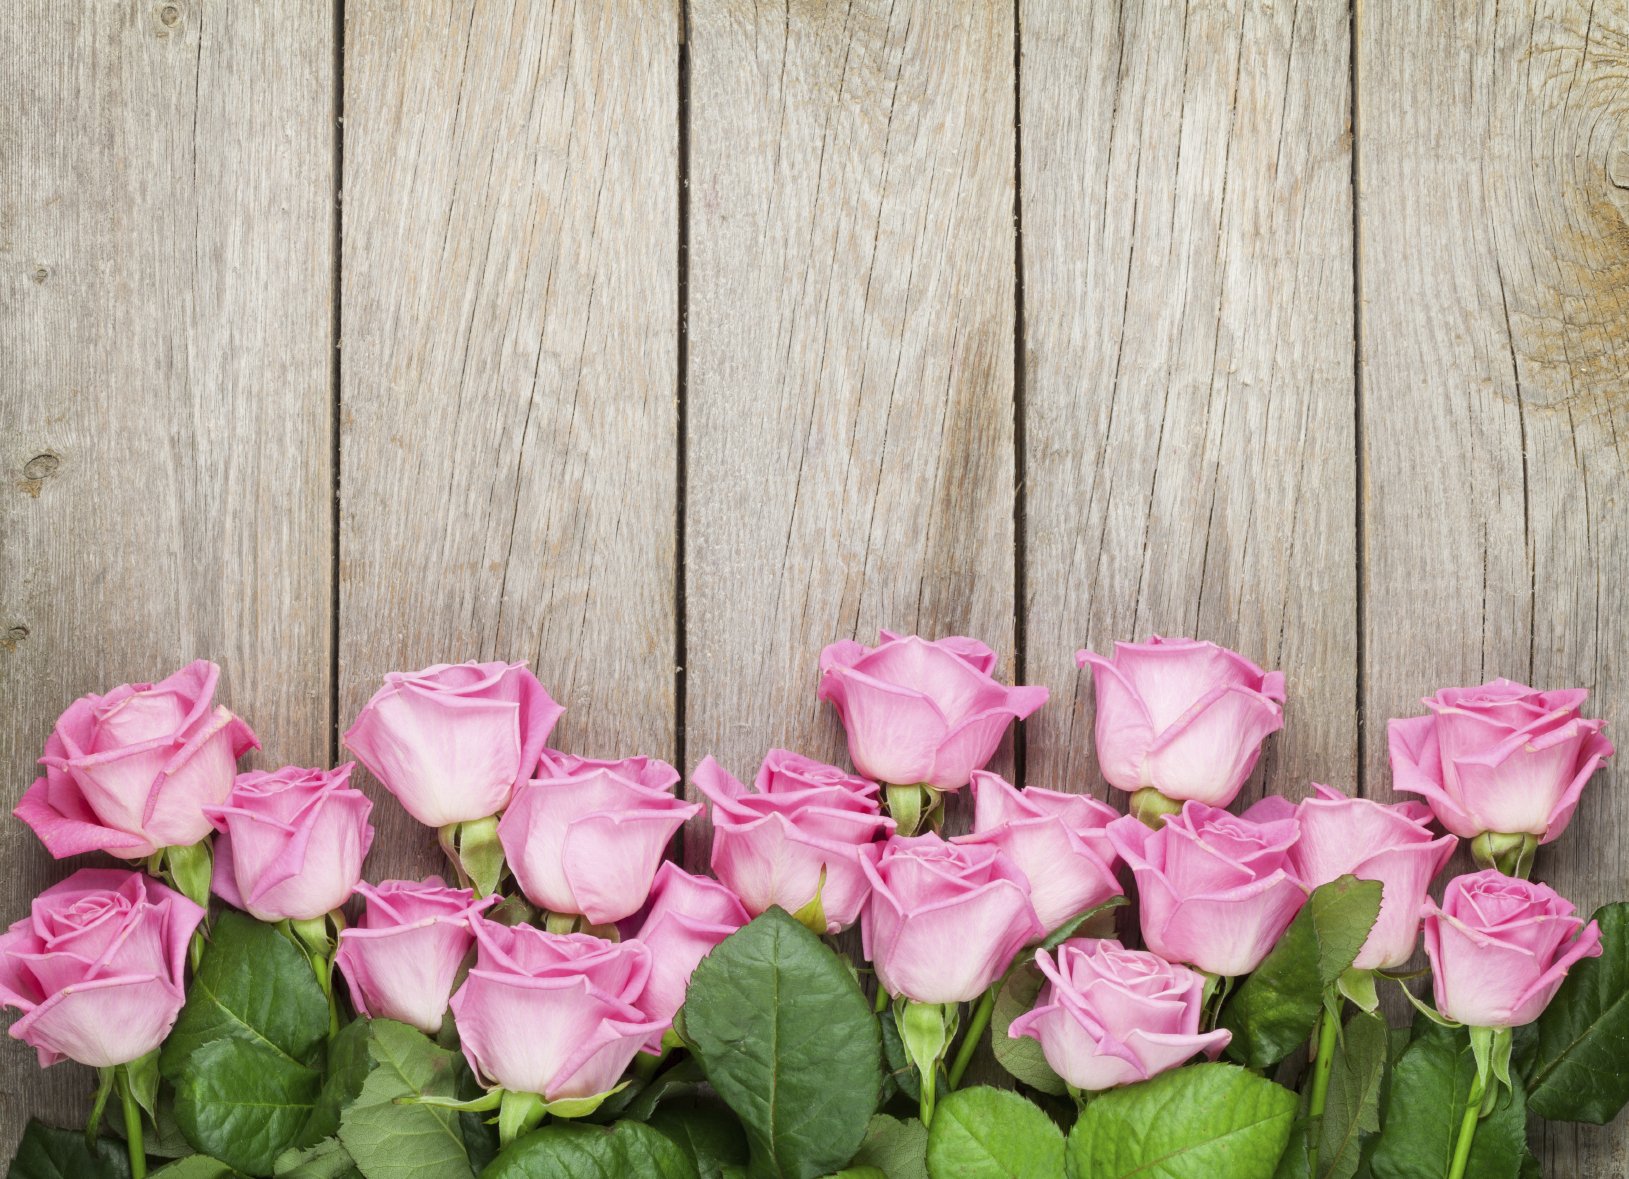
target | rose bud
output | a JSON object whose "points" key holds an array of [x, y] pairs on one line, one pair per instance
{"points": [[401, 960], [1213, 889], [1111, 1016], [943, 921], [131, 772], [1500, 947], [1393, 844], [96, 968], [920, 712], [1500, 758], [1183, 718], [454, 741], [689, 915], [552, 1014], [798, 832], [586, 836], [292, 842]]}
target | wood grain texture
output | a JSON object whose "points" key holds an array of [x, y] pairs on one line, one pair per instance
{"points": [[1188, 398], [1494, 231], [510, 360], [166, 190], [851, 331]]}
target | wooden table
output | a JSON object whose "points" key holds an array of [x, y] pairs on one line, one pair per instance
{"points": [[661, 348]]}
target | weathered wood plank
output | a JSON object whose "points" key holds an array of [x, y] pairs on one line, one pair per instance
{"points": [[1493, 197], [166, 189], [510, 338], [849, 402], [1188, 397]]}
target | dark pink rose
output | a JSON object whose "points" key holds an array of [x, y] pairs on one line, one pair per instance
{"points": [[689, 915]]}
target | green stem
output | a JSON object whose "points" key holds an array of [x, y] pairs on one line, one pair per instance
{"points": [[1322, 1066], [925, 1103], [103, 1088], [881, 1003], [970, 1042], [132, 1127], [1467, 1130]]}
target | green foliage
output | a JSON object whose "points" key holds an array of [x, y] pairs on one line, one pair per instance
{"points": [[564, 1150], [196, 1166], [244, 1103], [985, 1133], [1022, 1057], [704, 1129], [1352, 1111], [899, 1149], [388, 1135], [46, 1152], [1578, 1067]]}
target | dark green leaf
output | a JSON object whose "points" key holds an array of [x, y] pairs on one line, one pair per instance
{"points": [[1578, 1070], [1022, 1057], [46, 1152], [348, 1065], [899, 1149], [1072, 927], [900, 1076], [567, 1151], [1296, 1161], [196, 1167], [785, 1036], [985, 1133], [1353, 1107], [1205, 1121], [326, 1160], [704, 1129], [244, 1102], [405, 1141], [683, 1079], [1274, 1010]]}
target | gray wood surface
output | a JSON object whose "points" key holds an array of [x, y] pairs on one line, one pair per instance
{"points": [[165, 306]]}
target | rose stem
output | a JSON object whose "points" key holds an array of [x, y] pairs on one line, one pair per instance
{"points": [[970, 1042], [1467, 1130], [1328, 1030], [132, 1126]]}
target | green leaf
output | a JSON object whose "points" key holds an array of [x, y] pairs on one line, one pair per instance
{"points": [[196, 1167], [706, 1130], [567, 1151], [787, 1039], [1274, 1010], [405, 1141], [349, 1063], [1205, 1121], [326, 1160], [899, 1149], [1576, 1071], [985, 1133], [46, 1152], [901, 1075], [1072, 927], [244, 1102], [1430, 1085], [862, 1172], [1022, 1057], [1353, 1107]]}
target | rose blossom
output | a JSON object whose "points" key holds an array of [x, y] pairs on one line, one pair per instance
{"points": [[689, 915], [96, 967], [454, 741], [130, 772], [586, 836], [1501, 757], [1058, 841], [552, 1014], [1110, 1016], [292, 842], [401, 959], [772, 844], [1499, 948], [943, 920], [1186, 718], [1213, 889], [919, 711]]}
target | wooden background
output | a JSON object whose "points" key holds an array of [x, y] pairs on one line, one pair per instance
{"points": [[661, 344]]}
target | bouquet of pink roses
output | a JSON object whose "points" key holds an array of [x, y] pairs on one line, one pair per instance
{"points": [[576, 1004]]}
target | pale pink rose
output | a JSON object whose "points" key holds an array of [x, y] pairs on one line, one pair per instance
{"points": [[552, 1014], [1501, 757], [454, 741], [1183, 717], [131, 772], [586, 836], [401, 959], [771, 844], [1111, 1016], [292, 842], [1213, 889], [1393, 844], [921, 712], [943, 921], [96, 968], [1500, 948], [1058, 841], [689, 915]]}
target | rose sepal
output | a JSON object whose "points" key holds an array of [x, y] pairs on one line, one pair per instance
{"points": [[1511, 853], [476, 855], [927, 1030]]}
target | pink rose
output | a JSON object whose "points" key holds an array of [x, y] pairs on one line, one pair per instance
{"points": [[552, 1014], [292, 842], [452, 742], [1213, 889], [919, 711], [689, 915], [1111, 1016], [96, 967], [1058, 841], [586, 836], [130, 772], [1501, 757], [1499, 948], [1393, 844], [944, 920], [771, 844], [401, 960], [1182, 717]]}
